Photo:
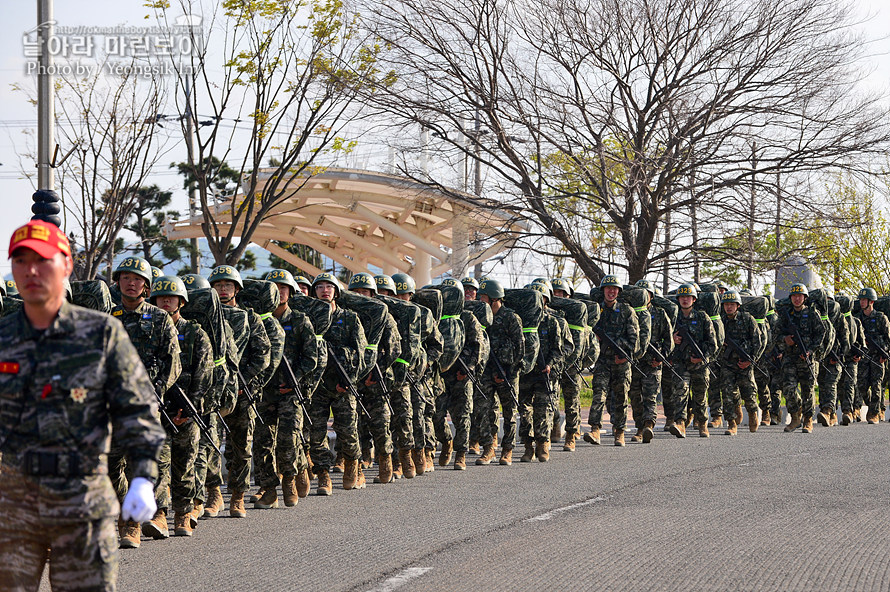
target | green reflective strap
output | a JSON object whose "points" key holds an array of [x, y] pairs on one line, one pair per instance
{"points": [[529, 329], [319, 337], [483, 327], [824, 317], [219, 362], [641, 308], [443, 317], [577, 327], [848, 314], [401, 361], [772, 313], [761, 321], [265, 315], [371, 346], [715, 318]]}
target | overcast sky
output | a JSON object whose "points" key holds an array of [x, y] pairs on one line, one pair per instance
{"points": [[17, 116]]}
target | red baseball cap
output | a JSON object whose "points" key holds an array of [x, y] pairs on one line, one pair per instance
{"points": [[43, 238]]}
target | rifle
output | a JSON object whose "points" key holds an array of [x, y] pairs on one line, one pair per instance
{"points": [[183, 403], [503, 374], [837, 360], [745, 356], [251, 400], [164, 414], [473, 378], [412, 380], [798, 341], [295, 384], [386, 390], [345, 378], [688, 339], [617, 349], [577, 366], [664, 360]]}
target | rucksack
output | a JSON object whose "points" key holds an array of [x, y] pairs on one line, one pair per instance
{"points": [[450, 325], [372, 314], [92, 294], [260, 295], [529, 305]]}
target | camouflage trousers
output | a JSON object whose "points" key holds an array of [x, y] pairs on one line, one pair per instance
{"points": [[609, 377], [485, 410], [829, 377], [643, 394], [846, 388], [84, 554], [343, 407], [420, 400], [401, 426], [429, 411], [775, 388], [715, 397], [176, 483], [208, 464], [570, 383], [738, 386], [690, 390], [239, 444], [277, 445], [535, 408], [456, 400], [375, 431], [667, 396], [870, 385], [764, 396], [796, 371]]}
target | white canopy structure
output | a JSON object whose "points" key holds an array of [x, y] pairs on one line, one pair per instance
{"points": [[363, 218]]}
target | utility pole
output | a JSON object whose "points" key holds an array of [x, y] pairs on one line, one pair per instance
{"points": [[45, 97], [193, 189], [477, 180]]}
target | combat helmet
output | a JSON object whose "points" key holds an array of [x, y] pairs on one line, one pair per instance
{"points": [[611, 280], [404, 283], [384, 282], [363, 280], [193, 281], [731, 296], [799, 289], [136, 265], [562, 284], [282, 276], [329, 278], [687, 290], [169, 285], [491, 288], [225, 272], [868, 293], [470, 282]]}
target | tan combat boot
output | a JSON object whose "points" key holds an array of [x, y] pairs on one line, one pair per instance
{"points": [[303, 483], [619, 438], [832, 418], [339, 464], [430, 463], [268, 501], [473, 447], [506, 457], [795, 422], [197, 511], [384, 471], [702, 426], [236, 505], [529, 453], [754, 423], [739, 416], [182, 524], [487, 455], [406, 463], [350, 474], [396, 465], [256, 496], [872, 418], [823, 419], [156, 528], [731, 427], [418, 456], [765, 418], [679, 429], [807, 425], [638, 436], [325, 487], [460, 461], [556, 432], [360, 482], [366, 458], [716, 422], [668, 424], [847, 418], [648, 431], [289, 490], [445, 455], [593, 436], [213, 505], [542, 451], [569, 446], [130, 534]]}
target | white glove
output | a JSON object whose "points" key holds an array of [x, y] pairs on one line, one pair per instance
{"points": [[139, 505]]}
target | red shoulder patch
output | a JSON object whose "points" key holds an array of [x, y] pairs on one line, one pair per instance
{"points": [[9, 367]]}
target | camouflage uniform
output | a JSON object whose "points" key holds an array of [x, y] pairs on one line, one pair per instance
{"points": [[62, 391], [254, 352], [537, 396], [848, 392], [508, 346], [875, 327], [376, 396], [433, 345], [458, 394], [570, 379], [407, 317], [695, 377], [831, 369], [644, 388], [795, 369], [621, 324], [157, 342], [346, 338], [277, 446], [743, 330], [196, 358]]}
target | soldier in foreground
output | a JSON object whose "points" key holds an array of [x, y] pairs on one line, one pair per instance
{"points": [[644, 387], [68, 376], [876, 331], [743, 341]]}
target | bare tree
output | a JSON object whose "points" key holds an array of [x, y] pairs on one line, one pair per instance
{"points": [[609, 116]]}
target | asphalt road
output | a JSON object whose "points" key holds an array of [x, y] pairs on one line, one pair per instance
{"points": [[764, 511]]}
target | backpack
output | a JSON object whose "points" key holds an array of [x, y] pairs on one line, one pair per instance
{"points": [[450, 325], [372, 314], [205, 309], [757, 307], [636, 297], [529, 305], [260, 295], [318, 311], [92, 294]]}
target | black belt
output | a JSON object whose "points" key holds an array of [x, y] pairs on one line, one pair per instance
{"points": [[52, 464]]}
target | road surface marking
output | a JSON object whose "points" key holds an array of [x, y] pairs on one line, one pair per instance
{"points": [[397, 581], [553, 513]]}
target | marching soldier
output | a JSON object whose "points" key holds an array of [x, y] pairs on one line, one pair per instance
{"points": [[471, 287], [618, 332], [742, 342], [157, 342], [177, 488], [644, 387], [254, 352], [695, 344], [802, 322], [848, 392], [876, 331], [831, 370]]}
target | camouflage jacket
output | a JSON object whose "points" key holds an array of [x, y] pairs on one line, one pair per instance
{"points": [[661, 336], [408, 321], [475, 343], [701, 328], [388, 351], [507, 343], [300, 349], [808, 322], [62, 392], [253, 344], [744, 332], [433, 344], [875, 327], [621, 324], [345, 339], [156, 340], [196, 357], [857, 336], [554, 334], [276, 346]]}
